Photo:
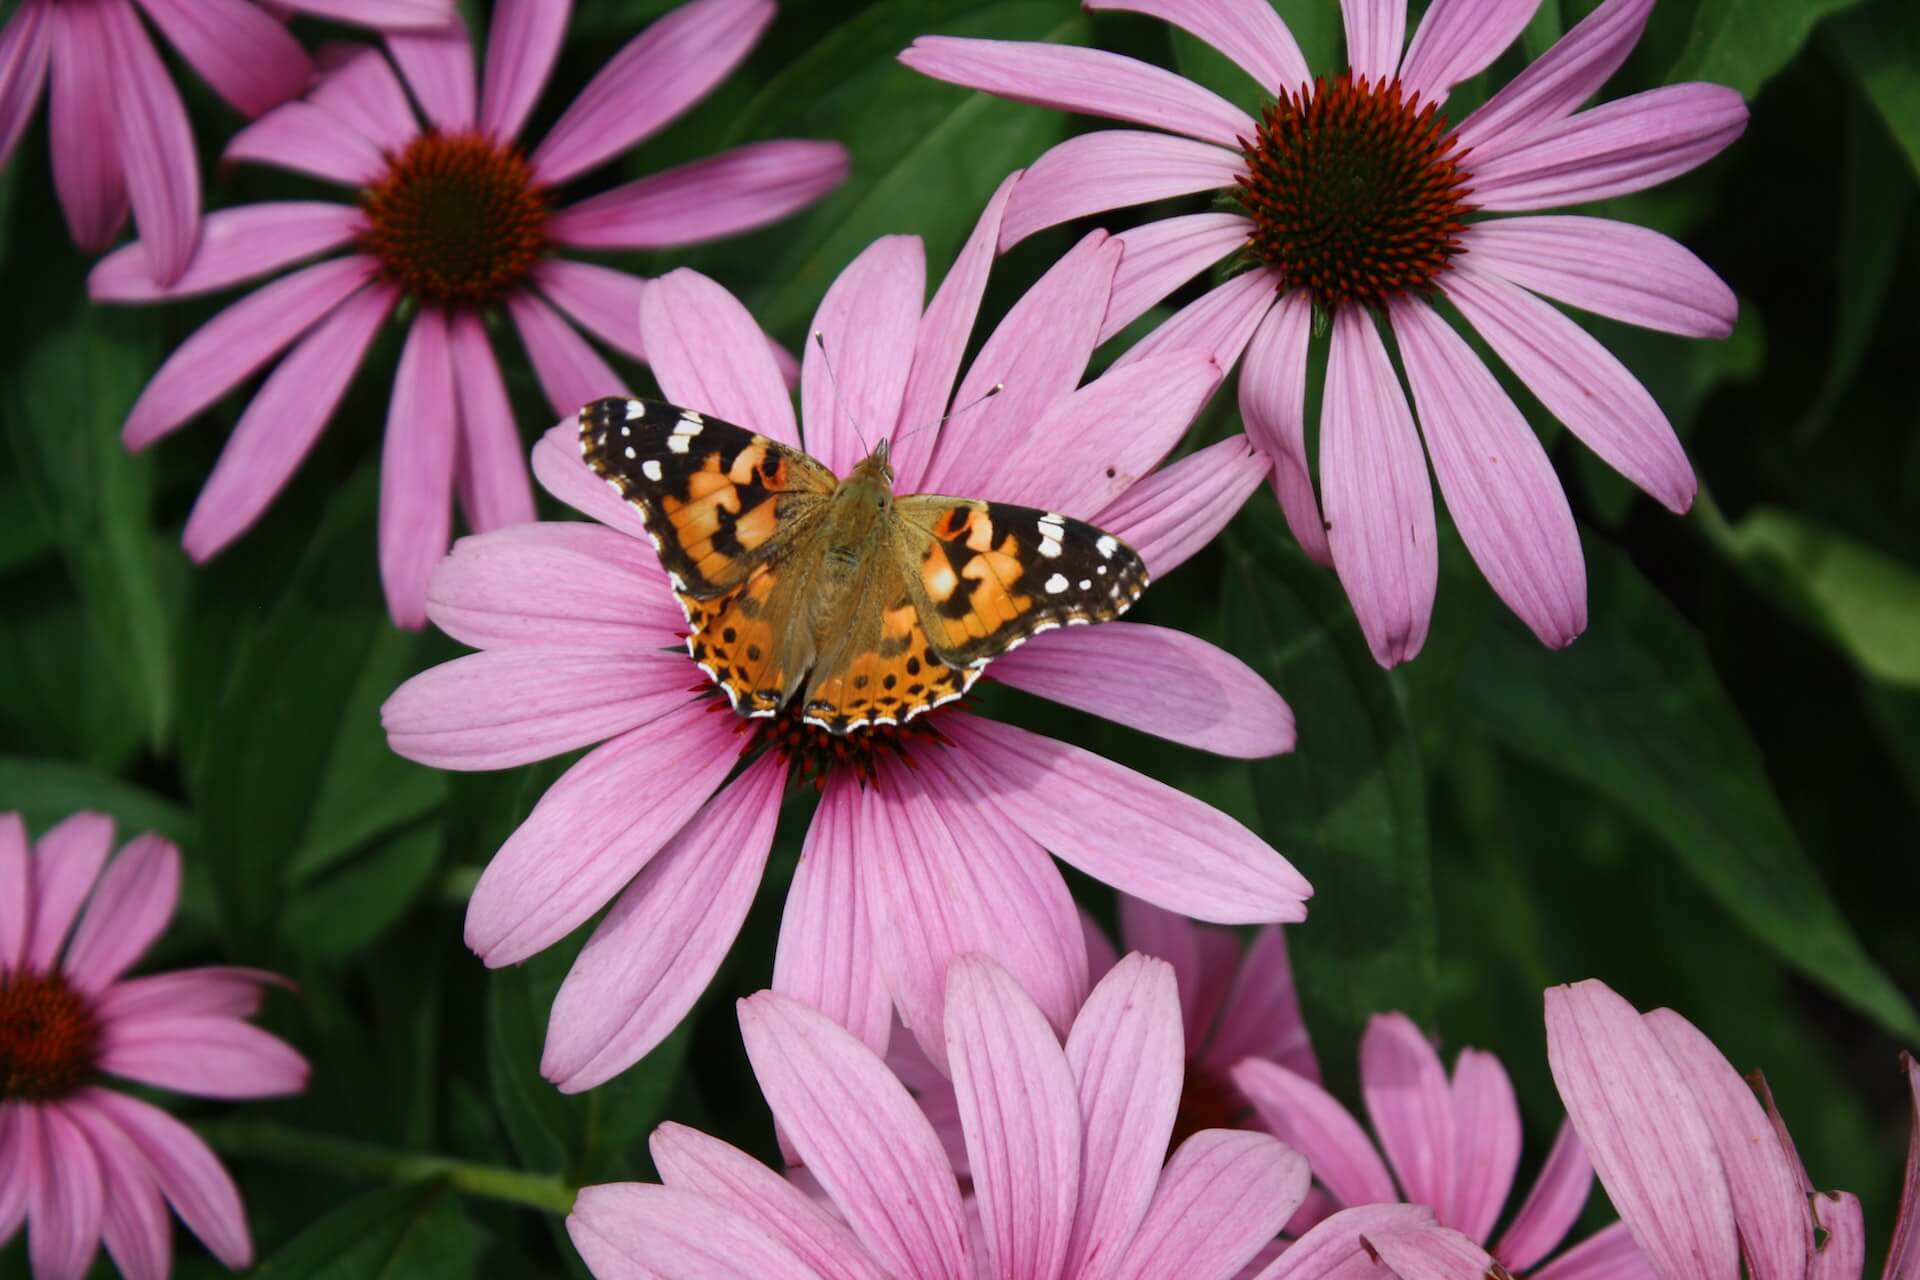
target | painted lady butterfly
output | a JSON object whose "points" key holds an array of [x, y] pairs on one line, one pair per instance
{"points": [[881, 606]]}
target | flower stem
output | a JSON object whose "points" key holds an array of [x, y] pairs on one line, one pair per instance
{"points": [[364, 1160]]}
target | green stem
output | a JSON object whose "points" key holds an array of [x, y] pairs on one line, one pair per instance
{"points": [[364, 1160]]}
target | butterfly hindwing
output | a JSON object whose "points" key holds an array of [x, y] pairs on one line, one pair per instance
{"points": [[991, 574], [876, 664], [718, 499]]}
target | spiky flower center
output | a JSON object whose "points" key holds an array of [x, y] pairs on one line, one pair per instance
{"points": [[812, 752], [49, 1037], [457, 219], [1356, 191], [1206, 1102]]}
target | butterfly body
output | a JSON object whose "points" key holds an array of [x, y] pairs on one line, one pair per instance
{"points": [[869, 606]]}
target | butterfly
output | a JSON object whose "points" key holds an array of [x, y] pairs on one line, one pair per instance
{"points": [[871, 607]]}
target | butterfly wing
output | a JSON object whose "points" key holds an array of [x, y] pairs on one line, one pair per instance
{"points": [[718, 500], [876, 665], [987, 575]]}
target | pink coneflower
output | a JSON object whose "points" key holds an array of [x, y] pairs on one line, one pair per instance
{"points": [[1702, 1171], [931, 839], [119, 132], [1067, 1149], [79, 1163], [1357, 203], [452, 215]]}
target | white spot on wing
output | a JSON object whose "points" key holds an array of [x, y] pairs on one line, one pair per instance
{"points": [[1057, 583], [635, 410], [651, 470], [1049, 547], [1107, 545], [631, 454], [1086, 584], [676, 443]]}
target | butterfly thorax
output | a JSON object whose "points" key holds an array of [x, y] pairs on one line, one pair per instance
{"points": [[859, 516]]}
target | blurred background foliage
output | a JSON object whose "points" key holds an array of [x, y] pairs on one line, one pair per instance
{"points": [[1710, 800]]}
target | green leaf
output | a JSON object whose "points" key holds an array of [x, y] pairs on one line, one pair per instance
{"points": [[587, 1137], [926, 155], [1866, 600], [68, 398], [1634, 710], [415, 1232], [1744, 43], [1880, 45], [45, 791], [333, 917], [1349, 807]]}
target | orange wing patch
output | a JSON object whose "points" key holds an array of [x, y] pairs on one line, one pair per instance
{"points": [[889, 682], [735, 642]]}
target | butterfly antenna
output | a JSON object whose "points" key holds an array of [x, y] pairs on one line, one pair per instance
{"points": [[974, 403], [820, 341]]}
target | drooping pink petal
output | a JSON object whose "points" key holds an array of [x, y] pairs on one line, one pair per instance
{"points": [[1769, 1208], [1035, 356], [1218, 322], [1310, 1120], [1273, 402], [506, 707], [283, 420], [1486, 1136], [87, 171], [1128, 1061], [571, 372], [1090, 81], [522, 44], [385, 15], [640, 1231], [65, 866], [555, 586], [719, 1174], [1607, 1254], [227, 991], [1020, 1114], [936, 899], [1376, 32], [1557, 1197], [1379, 504], [416, 468], [304, 138], [227, 349], [1126, 829], [827, 957], [129, 908], [1411, 1106], [708, 355], [859, 1132], [64, 1195], [585, 839], [364, 93], [16, 891], [1618, 147], [236, 245], [1178, 509], [1161, 256], [945, 330], [1842, 1253], [659, 74], [652, 957], [1262, 1016], [1552, 85], [602, 300], [706, 199], [202, 1056], [1430, 1253], [562, 472], [859, 350], [1178, 687], [250, 60], [438, 66], [190, 1176], [1113, 169], [1458, 39], [491, 467], [1903, 1247], [1498, 485], [1089, 447], [1248, 31], [1580, 382], [1610, 268], [1225, 1193], [1331, 1250], [1645, 1134], [133, 1219], [26, 46]]}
